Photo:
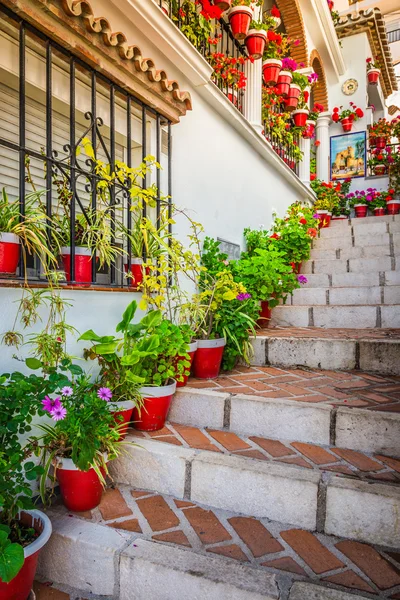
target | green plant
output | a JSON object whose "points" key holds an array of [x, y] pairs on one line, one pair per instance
{"points": [[300, 80], [327, 194], [256, 239], [381, 128], [372, 65], [142, 240], [379, 201], [195, 24]]}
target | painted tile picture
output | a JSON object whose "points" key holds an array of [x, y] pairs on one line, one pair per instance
{"points": [[348, 155]]}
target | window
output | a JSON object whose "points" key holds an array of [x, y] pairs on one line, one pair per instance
{"points": [[50, 102]]}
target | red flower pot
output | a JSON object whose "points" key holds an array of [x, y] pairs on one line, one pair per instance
{"points": [[373, 76], [83, 264], [379, 212], [223, 4], [192, 351], [80, 490], [240, 19], [19, 587], [361, 210], [283, 84], [294, 95], [9, 253], [122, 414], [264, 315], [137, 271], [300, 117], [380, 143], [255, 42], [271, 69], [379, 170], [324, 218], [156, 403], [347, 124], [208, 358], [297, 268], [232, 96], [393, 207]]}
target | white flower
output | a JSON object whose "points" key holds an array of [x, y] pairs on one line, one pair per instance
{"points": [[280, 282]]}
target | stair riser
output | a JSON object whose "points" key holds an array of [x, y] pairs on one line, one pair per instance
{"points": [[351, 253], [290, 420], [337, 317], [345, 242], [344, 296], [353, 265], [265, 490]]}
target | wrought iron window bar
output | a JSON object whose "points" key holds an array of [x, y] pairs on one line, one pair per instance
{"points": [[69, 166]]}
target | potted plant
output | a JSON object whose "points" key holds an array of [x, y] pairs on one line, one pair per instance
{"points": [[272, 62], [341, 210], [275, 15], [360, 200], [297, 87], [378, 162], [347, 116], [327, 198], [240, 16], [380, 134], [256, 39], [228, 74], [141, 243], [378, 205], [392, 205], [300, 117], [373, 72], [286, 76]]}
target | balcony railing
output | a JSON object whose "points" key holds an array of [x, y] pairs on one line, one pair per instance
{"points": [[393, 36]]}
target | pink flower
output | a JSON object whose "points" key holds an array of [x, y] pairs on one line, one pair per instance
{"points": [[49, 404], [302, 279], [67, 391], [59, 413], [105, 393]]}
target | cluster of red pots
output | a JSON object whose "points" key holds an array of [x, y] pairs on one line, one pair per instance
{"points": [[290, 92]]}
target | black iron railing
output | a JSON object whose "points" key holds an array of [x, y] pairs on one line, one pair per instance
{"points": [[287, 152], [119, 125], [380, 159]]}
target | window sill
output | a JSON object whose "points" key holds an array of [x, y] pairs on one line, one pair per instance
{"points": [[16, 283]]}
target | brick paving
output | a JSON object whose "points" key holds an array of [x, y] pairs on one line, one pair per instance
{"points": [[338, 461], [354, 389], [290, 552]]}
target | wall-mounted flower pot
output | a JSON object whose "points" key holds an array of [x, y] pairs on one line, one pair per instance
{"points": [[240, 19], [373, 76], [20, 587], [361, 210], [347, 124], [156, 403], [379, 212], [283, 84], [379, 170], [80, 490], [208, 358], [223, 4], [83, 264], [293, 99], [136, 269], [123, 415], [191, 352], [380, 143], [300, 117], [271, 69], [324, 218], [9, 253], [393, 207], [255, 42], [264, 315]]}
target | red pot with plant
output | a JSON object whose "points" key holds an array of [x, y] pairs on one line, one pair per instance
{"points": [[324, 218], [379, 212], [373, 76], [379, 170], [264, 315], [208, 358], [122, 412], [347, 124], [9, 253], [20, 586], [192, 351], [347, 116], [255, 42], [293, 99], [300, 117], [393, 207], [380, 143], [240, 18], [271, 68], [361, 210], [156, 403], [283, 84], [80, 490], [83, 264]]}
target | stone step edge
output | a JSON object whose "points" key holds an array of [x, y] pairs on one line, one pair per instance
{"points": [[358, 510], [120, 562], [350, 428], [375, 355]]}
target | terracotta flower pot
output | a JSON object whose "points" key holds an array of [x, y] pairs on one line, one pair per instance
{"points": [[393, 207], [300, 117], [361, 210], [283, 84], [208, 358], [271, 69], [324, 218], [122, 414], [83, 264], [380, 143], [264, 315], [80, 490], [156, 403], [373, 76], [347, 124], [20, 587], [379, 170], [9, 253], [240, 19], [255, 42], [192, 351], [379, 212]]}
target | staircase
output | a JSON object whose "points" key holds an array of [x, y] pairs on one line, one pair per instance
{"points": [[276, 482]]}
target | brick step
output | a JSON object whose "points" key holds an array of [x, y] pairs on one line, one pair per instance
{"points": [[337, 280], [351, 252], [340, 316], [352, 265], [321, 349], [165, 548], [253, 483]]}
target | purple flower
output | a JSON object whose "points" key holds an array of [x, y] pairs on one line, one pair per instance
{"points": [[105, 393], [302, 279], [59, 413], [369, 198], [67, 391], [289, 64], [242, 297], [49, 404], [313, 77], [316, 216]]}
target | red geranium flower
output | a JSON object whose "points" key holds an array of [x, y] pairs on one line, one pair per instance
{"points": [[312, 232], [275, 236], [335, 117], [317, 143], [313, 177], [303, 221]]}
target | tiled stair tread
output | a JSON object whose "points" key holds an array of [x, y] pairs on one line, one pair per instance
{"points": [[291, 553], [346, 463], [339, 334], [348, 389]]}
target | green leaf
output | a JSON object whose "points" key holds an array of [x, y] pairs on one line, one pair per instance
{"points": [[109, 348], [75, 369], [127, 316], [11, 558], [33, 363]]}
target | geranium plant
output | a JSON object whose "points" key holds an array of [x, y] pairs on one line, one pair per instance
{"points": [[371, 64], [380, 129], [365, 197], [353, 113], [227, 70]]}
